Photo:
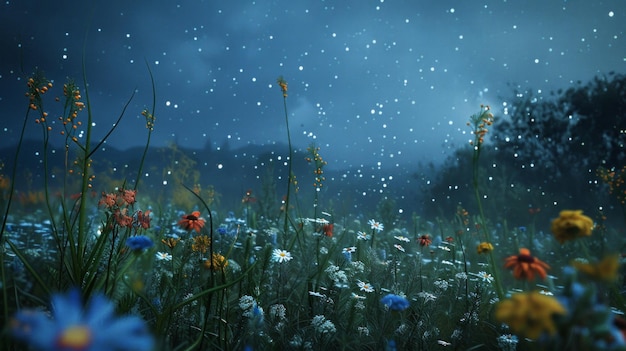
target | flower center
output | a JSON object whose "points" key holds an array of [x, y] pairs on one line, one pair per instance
{"points": [[525, 258], [76, 337], [572, 229]]}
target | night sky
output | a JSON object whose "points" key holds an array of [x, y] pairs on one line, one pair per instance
{"points": [[383, 82]]}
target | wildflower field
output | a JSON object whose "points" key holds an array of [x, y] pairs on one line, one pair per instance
{"points": [[126, 269]]}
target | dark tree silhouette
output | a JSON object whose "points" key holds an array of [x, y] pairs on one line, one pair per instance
{"points": [[547, 149], [600, 112], [578, 131]]}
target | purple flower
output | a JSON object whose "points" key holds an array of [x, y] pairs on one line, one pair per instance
{"points": [[72, 327], [139, 242], [395, 302]]}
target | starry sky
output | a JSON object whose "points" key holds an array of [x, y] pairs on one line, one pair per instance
{"points": [[382, 82]]}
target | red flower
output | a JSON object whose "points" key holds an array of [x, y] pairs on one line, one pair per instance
{"points": [[328, 230], [122, 218], [192, 222], [248, 198], [424, 240], [108, 200], [143, 219], [129, 196]]}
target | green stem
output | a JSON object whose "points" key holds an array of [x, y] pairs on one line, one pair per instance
{"points": [[152, 112], [290, 161], [82, 211], [483, 224]]}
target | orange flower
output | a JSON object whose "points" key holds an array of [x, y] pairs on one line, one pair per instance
{"points": [[526, 266], [424, 240], [192, 222], [283, 85]]}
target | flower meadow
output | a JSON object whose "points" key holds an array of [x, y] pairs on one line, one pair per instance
{"points": [[114, 268]]}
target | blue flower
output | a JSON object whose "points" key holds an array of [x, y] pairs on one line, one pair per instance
{"points": [[93, 328], [395, 302], [222, 230], [139, 242]]}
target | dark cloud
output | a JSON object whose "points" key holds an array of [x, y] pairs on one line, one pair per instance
{"points": [[369, 81]]}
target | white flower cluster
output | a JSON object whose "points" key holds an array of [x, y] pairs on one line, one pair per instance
{"points": [[278, 311], [427, 296], [461, 276], [278, 314], [250, 307], [507, 342], [442, 284], [338, 276], [358, 266], [298, 343], [323, 326]]}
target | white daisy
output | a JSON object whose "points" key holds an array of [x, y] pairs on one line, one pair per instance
{"points": [[316, 294], [281, 256], [358, 297], [163, 256], [376, 225], [399, 247], [362, 236], [367, 287], [486, 277]]}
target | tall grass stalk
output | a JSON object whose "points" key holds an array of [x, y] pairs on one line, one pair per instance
{"points": [[149, 115], [283, 86], [479, 122]]}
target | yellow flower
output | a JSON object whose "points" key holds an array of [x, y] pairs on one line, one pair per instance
{"points": [[201, 243], [605, 270], [218, 262], [484, 247], [170, 242], [571, 224], [529, 314]]}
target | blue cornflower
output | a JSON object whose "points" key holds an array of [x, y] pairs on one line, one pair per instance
{"points": [[139, 242], [222, 230], [395, 302], [93, 328]]}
